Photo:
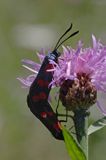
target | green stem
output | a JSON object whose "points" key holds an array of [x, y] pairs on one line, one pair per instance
{"points": [[81, 126]]}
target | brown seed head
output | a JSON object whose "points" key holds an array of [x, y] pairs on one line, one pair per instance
{"points": [[79, 93]]}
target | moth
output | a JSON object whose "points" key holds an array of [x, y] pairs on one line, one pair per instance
{"points": [[39, 91]]}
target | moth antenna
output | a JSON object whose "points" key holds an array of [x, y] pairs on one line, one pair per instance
{"points": [[63, 36], [73, 34]]}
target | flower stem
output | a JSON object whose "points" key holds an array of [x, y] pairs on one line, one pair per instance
{"points": [[81, 125]]}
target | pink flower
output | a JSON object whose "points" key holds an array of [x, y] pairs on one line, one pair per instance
{"points": [[33, 67], [75, 66], [86, 63]]}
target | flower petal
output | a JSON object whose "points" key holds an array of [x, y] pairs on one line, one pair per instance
{"points": [[101, 108], [33, 65], [94, 42]]}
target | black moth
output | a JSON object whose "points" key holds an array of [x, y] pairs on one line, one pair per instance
{"points": [[37, 98]]}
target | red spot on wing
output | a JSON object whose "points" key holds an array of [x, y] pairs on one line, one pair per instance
{"points": [[44, 115], [43, 83], [48, 66], [40, 96], [40, 82], [43, 95], [57, 126]]}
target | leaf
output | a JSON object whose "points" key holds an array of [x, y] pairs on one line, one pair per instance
{"points": [[74, 150], [99, 124]]}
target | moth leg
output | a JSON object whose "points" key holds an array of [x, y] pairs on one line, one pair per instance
{"points": [[57, 107], [62, 115]]}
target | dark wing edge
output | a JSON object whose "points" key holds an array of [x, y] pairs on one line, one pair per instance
{"points": [[43, 111]]}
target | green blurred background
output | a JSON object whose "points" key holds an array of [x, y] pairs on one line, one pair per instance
{"points": [[27, 26]]}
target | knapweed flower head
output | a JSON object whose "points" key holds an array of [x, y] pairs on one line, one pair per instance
{"points": [[80, 73]]}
